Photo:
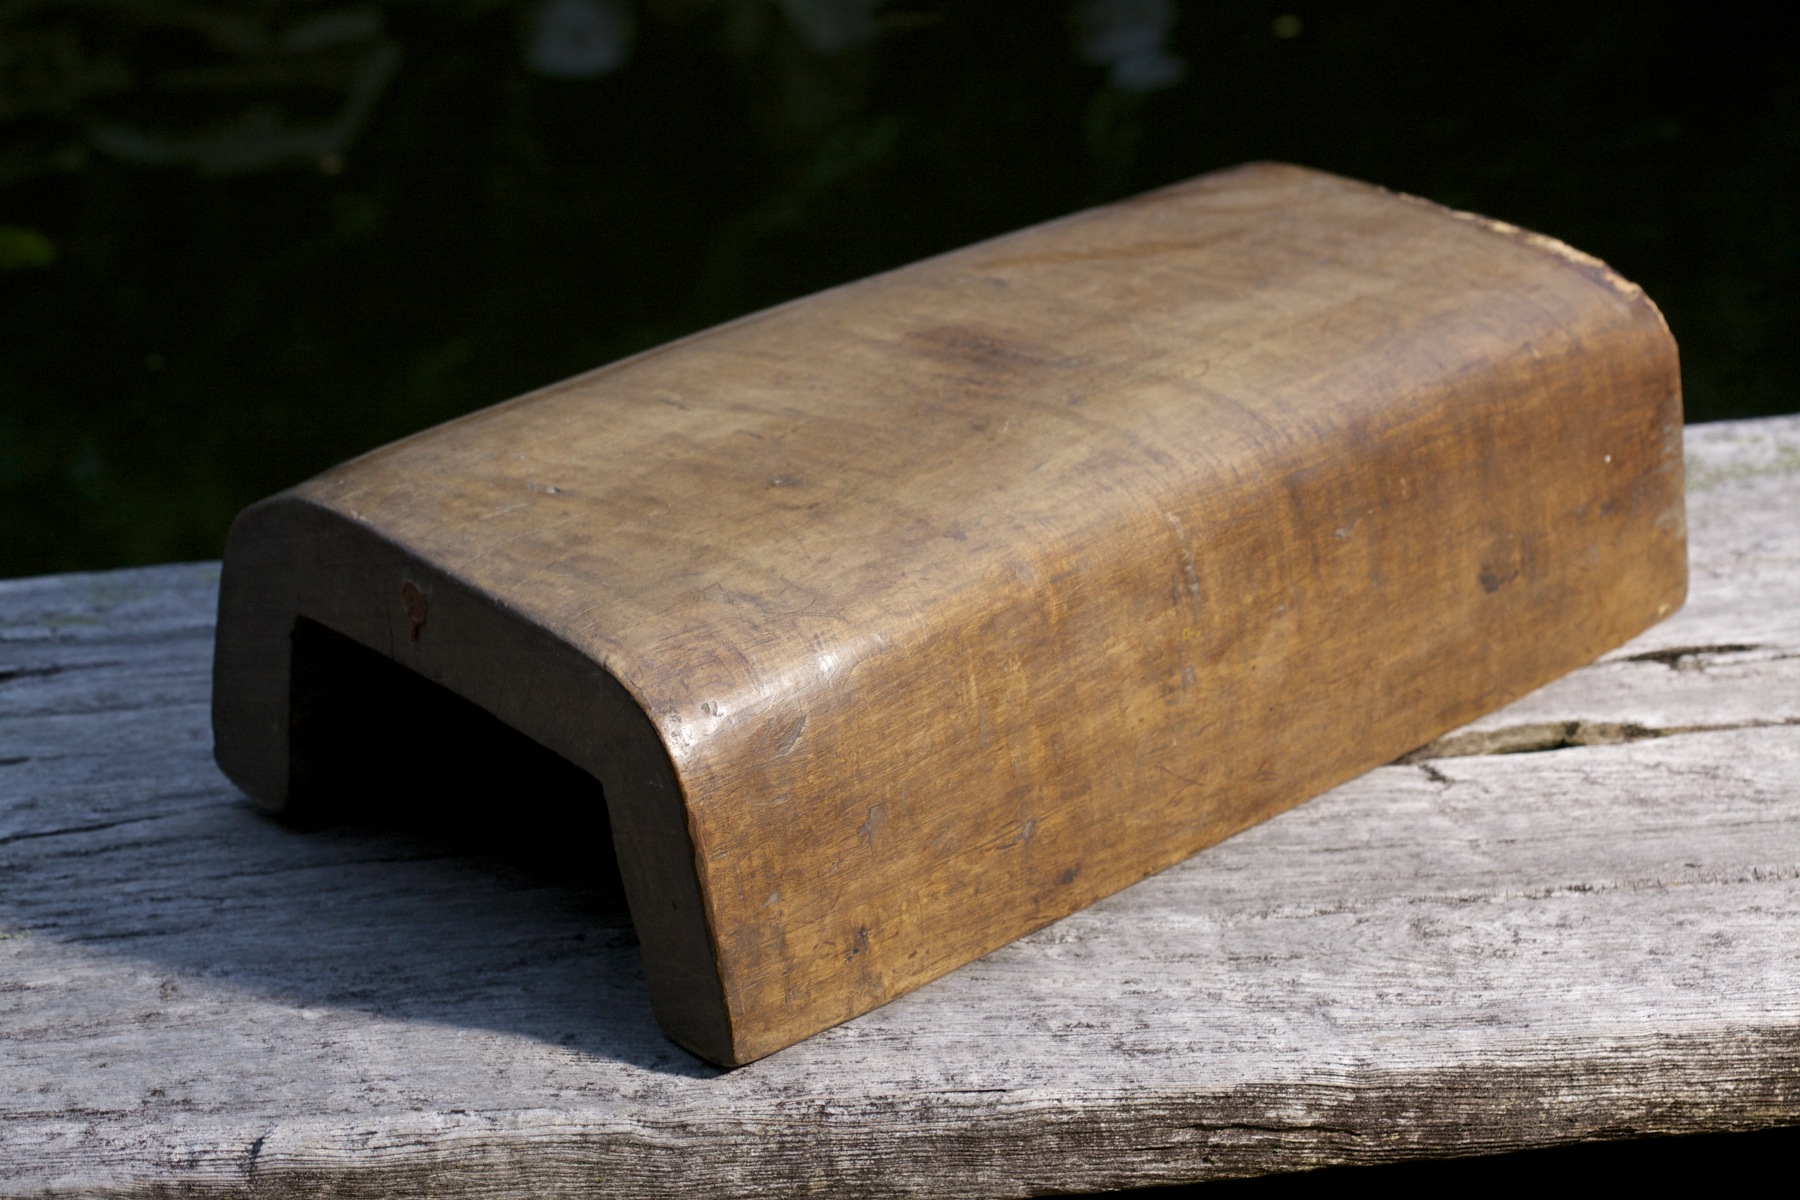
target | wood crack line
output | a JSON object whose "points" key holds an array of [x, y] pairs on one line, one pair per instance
{"points": [[69, 829], [1535, 737]]}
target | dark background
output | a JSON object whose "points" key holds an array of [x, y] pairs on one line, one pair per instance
{"points": [[241, 241]]}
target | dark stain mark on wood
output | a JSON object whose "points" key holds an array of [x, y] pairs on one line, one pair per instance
{"points": [[418, 608]]}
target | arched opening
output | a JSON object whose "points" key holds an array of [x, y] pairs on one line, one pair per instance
{"points": [[374, 744]]}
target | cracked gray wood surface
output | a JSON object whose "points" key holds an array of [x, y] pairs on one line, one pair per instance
{"points": [[1470, 951]]}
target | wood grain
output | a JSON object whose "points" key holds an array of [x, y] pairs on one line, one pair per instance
{"points": [[1469, 954], [904, 619]]}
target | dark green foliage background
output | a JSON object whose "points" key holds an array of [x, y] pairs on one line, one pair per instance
{"points": [[175, 343]]}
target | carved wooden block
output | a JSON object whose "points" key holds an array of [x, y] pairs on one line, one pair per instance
{"points": [[900, 620]]}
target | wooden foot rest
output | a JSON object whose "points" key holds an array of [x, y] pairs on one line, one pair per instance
{"points": [[898, 621]]}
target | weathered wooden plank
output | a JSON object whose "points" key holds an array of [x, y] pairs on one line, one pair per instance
{"points": [[1462, 954]]}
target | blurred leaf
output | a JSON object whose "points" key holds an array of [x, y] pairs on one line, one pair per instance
{"points": [[22, 247]]}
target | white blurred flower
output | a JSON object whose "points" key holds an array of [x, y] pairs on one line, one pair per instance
{"points": [[829, 26], [579, 39], [1130, 39]]}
